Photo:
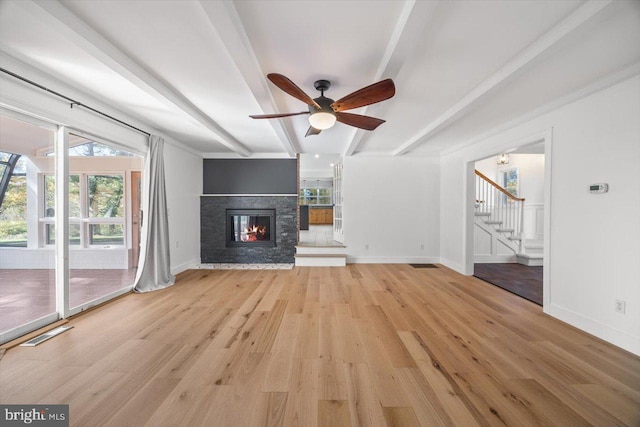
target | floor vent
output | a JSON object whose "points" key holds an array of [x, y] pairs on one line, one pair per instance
{"points": [[47, 335], [423, 265]]}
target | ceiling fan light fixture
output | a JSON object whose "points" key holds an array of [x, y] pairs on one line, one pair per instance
{"points": [[322, 120]]}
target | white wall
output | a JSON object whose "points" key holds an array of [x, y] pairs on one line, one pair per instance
{"points": [[593, 256], [452, 232], [391, 205], [183, 179]]}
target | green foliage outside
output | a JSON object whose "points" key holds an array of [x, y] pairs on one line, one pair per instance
{"points": [[13, 213], [106, 196]]}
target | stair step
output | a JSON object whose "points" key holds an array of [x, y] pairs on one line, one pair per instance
{"points": [[321, 260], [320, 256], [505, 230], [493, 222], [331, 250], [532, 260], [482, 214], [514, 237], [534, 245]]}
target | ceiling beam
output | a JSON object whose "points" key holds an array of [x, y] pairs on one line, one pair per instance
{"points": [[226, 22], [76, 30], [516, 65], [591, 88], [412, 23]]}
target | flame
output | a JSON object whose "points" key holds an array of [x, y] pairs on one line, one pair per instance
{"points": [[255, 233]]}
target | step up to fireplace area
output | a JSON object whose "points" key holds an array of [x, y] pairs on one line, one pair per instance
{"points": [[320, 256]]}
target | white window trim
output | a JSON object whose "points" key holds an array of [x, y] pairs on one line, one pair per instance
{"points": [[85, 220]]}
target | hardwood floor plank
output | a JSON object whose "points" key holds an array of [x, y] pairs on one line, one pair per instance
{"points": [[437, 385], [380, 368], [308, 343], [333, 413], [280, 366], [388, 336], [626, 409], [274, 287], [400, 417], [426, 404], [362, 345], [139, 409], [265, 340], [302, 403], [185, 407], [270, 410], [93, 411], [543, 405], [364, 406]]}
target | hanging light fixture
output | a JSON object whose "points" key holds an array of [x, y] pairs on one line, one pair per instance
{"points": [[324, 117], [322, 120], [503, 159]]}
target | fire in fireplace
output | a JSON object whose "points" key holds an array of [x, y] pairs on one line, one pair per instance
{"points": [[255, 227]]}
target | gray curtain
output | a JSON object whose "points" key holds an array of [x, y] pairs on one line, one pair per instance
{"points": [[154, 268]]}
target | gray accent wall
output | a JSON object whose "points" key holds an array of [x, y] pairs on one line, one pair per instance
{"points": [[250, 176]]}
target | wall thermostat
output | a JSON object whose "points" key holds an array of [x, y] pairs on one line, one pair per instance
{"points": [[598, 188]]}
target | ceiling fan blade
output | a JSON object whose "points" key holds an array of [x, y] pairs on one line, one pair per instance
{"points": [[312, 131], [290, 87], [366, 96], [359, 121], [275, 116]]}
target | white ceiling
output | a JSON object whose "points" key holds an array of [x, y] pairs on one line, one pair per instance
{"points": [[195, 70]]}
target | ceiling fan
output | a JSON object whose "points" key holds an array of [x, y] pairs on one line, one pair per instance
{"points": [[324, 112]]}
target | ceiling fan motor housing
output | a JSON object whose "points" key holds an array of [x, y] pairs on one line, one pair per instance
{"points": [[325, 105]]}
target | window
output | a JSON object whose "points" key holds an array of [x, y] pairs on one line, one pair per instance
{"points": [[105, 196], [13, 200], [510, 181], [96, 210], [316, 192], [92, 149]]}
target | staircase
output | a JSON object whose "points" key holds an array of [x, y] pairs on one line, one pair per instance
{"points": [[320, 256], [532, 253], [500, 214]]}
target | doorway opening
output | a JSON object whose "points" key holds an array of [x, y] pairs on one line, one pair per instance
{"points": [[508, 218]]}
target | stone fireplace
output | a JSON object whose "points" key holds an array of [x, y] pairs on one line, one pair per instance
{"points": [[248, 229], [249, 211]]}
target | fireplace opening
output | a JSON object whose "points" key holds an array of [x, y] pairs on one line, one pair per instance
{"points": [[251, 227]]}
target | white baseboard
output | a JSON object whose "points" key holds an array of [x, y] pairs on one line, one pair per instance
{"points": [[177, 269], [391, 260], [453, 265], [494, 259], [614, 336]]}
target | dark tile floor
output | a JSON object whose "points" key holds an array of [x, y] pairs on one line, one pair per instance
{"points": [[27, 295], [519, 279]]}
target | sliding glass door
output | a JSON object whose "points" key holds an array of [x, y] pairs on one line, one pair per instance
{"points": [[101, 221], [69, 232], [27, 265]]}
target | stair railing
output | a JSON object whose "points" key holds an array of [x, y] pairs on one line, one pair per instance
{"points": [[501, 205]]}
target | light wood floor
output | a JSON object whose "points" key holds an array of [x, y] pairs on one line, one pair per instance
{"points": [[364, 345]]}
